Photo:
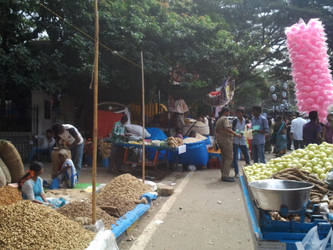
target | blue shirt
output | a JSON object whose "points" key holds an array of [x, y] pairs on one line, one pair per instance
{"points": [[240, 128], [259, 123]]}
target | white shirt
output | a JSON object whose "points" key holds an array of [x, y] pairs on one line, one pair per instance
{"points": [[297, 128], [67, 137], [45, 143], [70, 172]]}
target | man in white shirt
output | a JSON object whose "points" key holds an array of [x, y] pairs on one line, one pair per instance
{"points": [[69, 136], [296, 131]]}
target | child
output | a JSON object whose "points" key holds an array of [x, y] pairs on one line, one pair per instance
{"points": [[67, 174]]}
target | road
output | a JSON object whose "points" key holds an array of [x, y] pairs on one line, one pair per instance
{"points": [[203, 213]]}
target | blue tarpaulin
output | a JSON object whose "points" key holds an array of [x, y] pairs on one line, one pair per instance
{"points": [[124, 222]]}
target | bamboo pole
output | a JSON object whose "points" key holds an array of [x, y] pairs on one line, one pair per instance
{"points": [[95, 125], [143, 118]]}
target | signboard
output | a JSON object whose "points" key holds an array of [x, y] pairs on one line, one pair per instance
{"points": [[182, 149]]}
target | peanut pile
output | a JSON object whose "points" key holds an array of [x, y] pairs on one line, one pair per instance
{"points": [[9, 195], [27, 225], [122, 193], [77, 211]]}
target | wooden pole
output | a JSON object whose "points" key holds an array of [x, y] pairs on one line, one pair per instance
{"points": [[95, 125], [143, 117]]}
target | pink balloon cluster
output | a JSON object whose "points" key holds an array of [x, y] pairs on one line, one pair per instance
{"points": [[310, 66]]}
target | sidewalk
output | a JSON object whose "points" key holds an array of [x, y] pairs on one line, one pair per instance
{"points": [[204, 213]]}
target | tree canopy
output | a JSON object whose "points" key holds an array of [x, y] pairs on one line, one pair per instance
{"points": [[48, 44]]}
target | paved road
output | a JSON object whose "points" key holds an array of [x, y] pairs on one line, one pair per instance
{"points": [[204, 213]]}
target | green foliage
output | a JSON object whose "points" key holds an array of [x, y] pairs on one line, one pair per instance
{"points": [[211, 39]]}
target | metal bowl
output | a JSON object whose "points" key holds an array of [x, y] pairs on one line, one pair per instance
{"points": [[281, 195]]}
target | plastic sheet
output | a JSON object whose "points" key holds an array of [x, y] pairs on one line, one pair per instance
{"points": [[104, 239], [132, 216]]}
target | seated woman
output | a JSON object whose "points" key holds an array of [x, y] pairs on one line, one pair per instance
{"points": [[31, 184], [67, 174]]}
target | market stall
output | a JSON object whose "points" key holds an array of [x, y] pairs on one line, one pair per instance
{"points": [[163, 149], [289, 196]]}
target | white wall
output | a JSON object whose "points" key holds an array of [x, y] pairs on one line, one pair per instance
{"points": [[38, 99]]}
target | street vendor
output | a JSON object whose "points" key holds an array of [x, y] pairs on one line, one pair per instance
{"points": [[31, 184], [118, 136], [178, 108], [68, 135], [67, 175]]}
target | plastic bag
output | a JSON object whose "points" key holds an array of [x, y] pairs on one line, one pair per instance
{"points": [[311, 241], [136, 130], [104, 239], [57, 202]]}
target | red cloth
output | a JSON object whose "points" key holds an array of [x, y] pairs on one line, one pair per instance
{"points": [[106, 120]]}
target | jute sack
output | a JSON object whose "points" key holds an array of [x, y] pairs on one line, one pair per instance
{"points": [[12, 159], [56, 165], [5, 170], [3, 181]]}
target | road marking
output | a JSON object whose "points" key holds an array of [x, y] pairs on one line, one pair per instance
{"points": [[150, 229]]}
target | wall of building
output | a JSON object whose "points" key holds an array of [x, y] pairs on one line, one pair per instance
{"points": [[43, 119]]}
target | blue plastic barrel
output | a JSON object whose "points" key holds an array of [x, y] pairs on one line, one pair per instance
{"points": [[196, 154]]}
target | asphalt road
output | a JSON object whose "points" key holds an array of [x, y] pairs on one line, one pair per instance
{"points": [[204, 213]]}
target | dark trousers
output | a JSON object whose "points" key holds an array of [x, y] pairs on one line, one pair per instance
{"points": [[244, 151], [117, 154], [258, 152], [298, 144]]}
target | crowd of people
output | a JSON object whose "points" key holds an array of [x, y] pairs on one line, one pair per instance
{"points": [[251, 135], [283, 132]]}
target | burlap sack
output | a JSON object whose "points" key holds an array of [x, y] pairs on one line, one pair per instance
{"points": [[12, 159], [56, 165], [5, 170], [3, 181]]}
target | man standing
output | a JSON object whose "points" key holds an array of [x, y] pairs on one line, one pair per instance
{"points": [[224, 137], [259, 129], [312, 130], [68, 135], [328, 129], [118, 136], [296, 131], [238, 125]]}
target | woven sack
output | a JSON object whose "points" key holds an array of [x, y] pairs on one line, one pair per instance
{"points": [[12, 159], [3, 181], [5, 170]]}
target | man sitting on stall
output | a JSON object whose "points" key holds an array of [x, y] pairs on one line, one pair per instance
{"points": [[118, 136]]}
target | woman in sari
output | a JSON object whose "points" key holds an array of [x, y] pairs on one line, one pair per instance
{"points": [[280, 137], [31, 184]]}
